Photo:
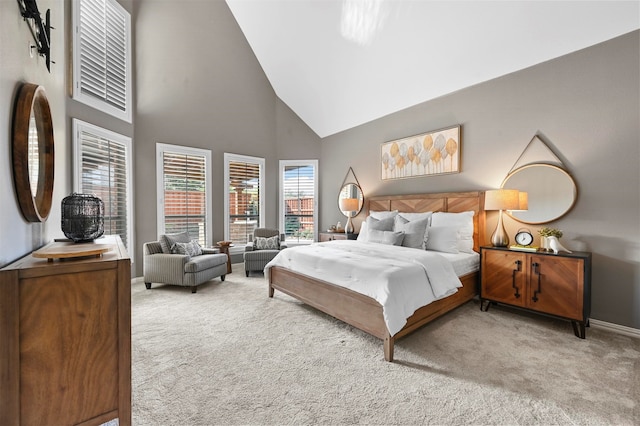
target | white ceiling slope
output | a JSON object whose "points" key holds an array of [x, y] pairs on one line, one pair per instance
{"points": [[342, 63]]}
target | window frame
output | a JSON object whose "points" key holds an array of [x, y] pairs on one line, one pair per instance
{"points": [[78, 127], [228, 158], [93, 101], [281, 198], [183, 150]]}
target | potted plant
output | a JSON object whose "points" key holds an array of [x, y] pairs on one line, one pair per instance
{"points": [[548, 232]]}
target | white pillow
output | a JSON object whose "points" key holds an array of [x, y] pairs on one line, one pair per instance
{"points": [[443, 238], [380, 225], [385, 237], [362, 235], [378, 215], [383, 214], [462, 221], [415, 231], [416, 216]]}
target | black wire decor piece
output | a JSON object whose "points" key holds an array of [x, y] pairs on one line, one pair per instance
{"points": [[82, 217]]}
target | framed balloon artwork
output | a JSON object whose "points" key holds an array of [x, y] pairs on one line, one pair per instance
{"points": [[428, 154]]}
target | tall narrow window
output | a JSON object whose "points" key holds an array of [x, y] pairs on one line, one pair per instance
{"points": [[184, 191], [298, 200], [103, 167], [244, 203], [102, 56]]}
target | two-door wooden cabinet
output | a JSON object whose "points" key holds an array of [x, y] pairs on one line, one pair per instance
{"points": [[555, 284], [65, 339]]}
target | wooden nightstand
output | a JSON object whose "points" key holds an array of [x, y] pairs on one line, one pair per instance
{"points": [[330, 236], [555, 284]]}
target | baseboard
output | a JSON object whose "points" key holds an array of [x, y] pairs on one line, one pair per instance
{"points": [[615, 328]]}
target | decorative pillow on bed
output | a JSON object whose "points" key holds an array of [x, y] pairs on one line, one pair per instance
{"points": [[415, 231], [375, 216], [443, 238], [385, 237], [271, 243], [462, 221], [416, 216], [192, 248], [380, 225], [383, 214]]}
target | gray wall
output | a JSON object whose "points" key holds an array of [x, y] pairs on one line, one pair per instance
{"points": [[19, 237], [16, 66], [585, 105], [200, 85]]}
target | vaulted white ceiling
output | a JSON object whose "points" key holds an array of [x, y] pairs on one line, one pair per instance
{"points": [[342, 63]]}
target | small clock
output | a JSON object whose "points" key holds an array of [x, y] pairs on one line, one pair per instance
{"points": [[524, 237]]}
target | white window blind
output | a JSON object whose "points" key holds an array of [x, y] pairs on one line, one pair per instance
{"points": [[184, 192], [103, 168], [298, 192], [102, 56], [244, 202]]}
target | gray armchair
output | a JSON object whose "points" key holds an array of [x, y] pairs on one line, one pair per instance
{"points": [[256, 259], [162, 266]]}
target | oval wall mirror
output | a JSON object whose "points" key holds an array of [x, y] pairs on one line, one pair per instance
{"points": [[350, 199], [552, 192], [33, 152]]}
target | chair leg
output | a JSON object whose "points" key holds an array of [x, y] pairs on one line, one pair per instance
{"points": [[222, 277], [246, 273], [194, 289], [147, 285]]}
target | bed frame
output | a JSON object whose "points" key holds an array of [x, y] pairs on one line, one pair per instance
{"points": [[364, 312]]}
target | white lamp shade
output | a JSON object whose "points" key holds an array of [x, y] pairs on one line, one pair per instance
{"points": [[349, 204], [501, 199]]}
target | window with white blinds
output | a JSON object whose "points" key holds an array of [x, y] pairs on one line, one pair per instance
{"points": [[244, 203], [102, 56], [184, 191], [103, 168], [298, 200]]}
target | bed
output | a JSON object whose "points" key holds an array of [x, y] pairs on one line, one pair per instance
{"points": [[364, 312]]}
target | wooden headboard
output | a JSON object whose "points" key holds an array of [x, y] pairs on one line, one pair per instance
{"points": [[453, 202]]}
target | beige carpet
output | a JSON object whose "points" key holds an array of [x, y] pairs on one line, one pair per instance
{"points": [[230, 355]]}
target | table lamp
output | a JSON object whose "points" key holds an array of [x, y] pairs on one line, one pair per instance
{"points": [[349, 206], [501, 199]]}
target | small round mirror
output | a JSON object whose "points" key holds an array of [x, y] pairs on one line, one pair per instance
{"points": [[33, 152], [350, 199], [551, 191], [34, 156]]}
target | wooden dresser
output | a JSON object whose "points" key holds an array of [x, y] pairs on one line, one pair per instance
{"points": [[555, 284], [65, 333]]}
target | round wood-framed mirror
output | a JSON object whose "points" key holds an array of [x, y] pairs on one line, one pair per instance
{"points": [[552, 192], [33, 152]]}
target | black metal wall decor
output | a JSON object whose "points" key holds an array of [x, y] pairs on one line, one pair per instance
{"points": [[41, 31], [82, 217]]}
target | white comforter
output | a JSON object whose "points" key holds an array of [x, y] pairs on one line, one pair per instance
{"points": [[401, 279]]}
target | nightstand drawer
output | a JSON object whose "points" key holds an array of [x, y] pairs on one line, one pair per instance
{"points": [[330, 236]]}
